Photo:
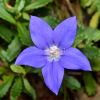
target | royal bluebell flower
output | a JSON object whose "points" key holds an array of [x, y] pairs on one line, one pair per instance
{"points": [[53, 51]]}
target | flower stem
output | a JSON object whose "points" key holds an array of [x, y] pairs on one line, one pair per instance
{"points": [[64, 89], [66, 97]]}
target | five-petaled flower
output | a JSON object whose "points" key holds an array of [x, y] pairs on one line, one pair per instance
{"points": [[52, 51]]}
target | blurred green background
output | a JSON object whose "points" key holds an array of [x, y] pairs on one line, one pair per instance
{"points": [[26, 83]]}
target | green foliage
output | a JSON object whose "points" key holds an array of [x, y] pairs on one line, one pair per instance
{"points": [[72, 83], [16, 89], [90, 85], [19, 5], [98, 5], [37, 4], [23, 33], [86, 3], [3, 55], [4, 87], [91, 52], [13, 49], [5, 15], [94, 20], [18, 69], [29, 89], [2, 70], [53, 22], [6, 33], [25, 16], [87, 35]]}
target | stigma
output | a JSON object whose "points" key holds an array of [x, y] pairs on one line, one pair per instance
{"points": [[53, 53]]}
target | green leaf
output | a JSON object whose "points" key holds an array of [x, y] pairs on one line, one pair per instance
{"points": [[5, 15], [30, 90], [96, 64], [53, 22], [24, 35], [72, 83], [90, 84], [91, 52], [6, 33], [6, 85], [18, 69], [94, 20], [92, 34], [27, 2], [26, 16], [13, 49], [37, 4], [80, 36], [98, 5], [16, 89], [2, 70], [19, 5], [93, 7], [88, 35], [3, 54], [86, 3]]}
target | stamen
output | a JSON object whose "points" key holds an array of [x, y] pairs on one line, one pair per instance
{"points": [[53, 53]]}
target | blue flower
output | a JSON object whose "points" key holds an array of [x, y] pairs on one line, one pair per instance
{"points": [[53, 52]]}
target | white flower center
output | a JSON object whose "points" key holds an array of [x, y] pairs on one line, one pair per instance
{"points": [[53, 53]]}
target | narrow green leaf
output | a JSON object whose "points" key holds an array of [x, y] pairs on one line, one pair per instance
{"points": [[29, 89], [92, 8], [19, 5], [5, 15], [16, 89], [6, 33], [6, 85], [18, 69], [13, 49], [26, 16], [3, 54], [72, 83], [37, 4], [94, 20], [24, 34], [90, 84]]}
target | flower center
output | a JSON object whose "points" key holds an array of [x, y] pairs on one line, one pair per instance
{"points": [[53, 53]]}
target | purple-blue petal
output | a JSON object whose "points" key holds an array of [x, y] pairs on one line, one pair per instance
{"points": [[65, 32], [41, 32], [31, 56], [53, 75], [75, 60]]}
